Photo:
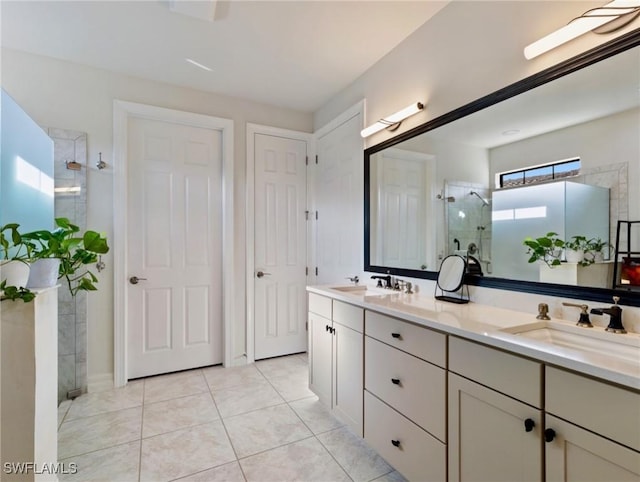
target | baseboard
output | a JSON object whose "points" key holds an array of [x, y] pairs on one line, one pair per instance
{"points": [[100, 382]]}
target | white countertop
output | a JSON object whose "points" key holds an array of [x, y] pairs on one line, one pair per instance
{"points": [[483, 323]]}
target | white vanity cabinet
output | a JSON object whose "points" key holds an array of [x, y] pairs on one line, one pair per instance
{"points": [[336, 358], [495, 419], [405, 396], [320, 344], [441, 407], [577, 407]]}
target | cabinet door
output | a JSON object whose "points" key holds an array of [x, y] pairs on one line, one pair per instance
{"points": [[488, 440], [320, 339], [576, 455], [348, 375]]}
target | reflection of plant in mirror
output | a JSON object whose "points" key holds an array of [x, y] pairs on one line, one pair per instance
{"points": [[547, 248], [594, 252], [575, 250], [577, 243]]}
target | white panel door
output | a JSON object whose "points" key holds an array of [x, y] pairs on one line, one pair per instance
{"points": [[174, 246], [340, 205], [280, 246]]}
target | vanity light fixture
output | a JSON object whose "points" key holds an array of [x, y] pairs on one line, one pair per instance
{"points": [[198, 64], [393, 121], [623, 10]]}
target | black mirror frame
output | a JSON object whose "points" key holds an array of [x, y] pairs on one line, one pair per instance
{"points": [[603, 295]]}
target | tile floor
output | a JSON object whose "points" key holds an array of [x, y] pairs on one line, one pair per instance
{"points": [[251, 423]]}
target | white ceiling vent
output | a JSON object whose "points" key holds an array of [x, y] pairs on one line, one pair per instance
{"points": [[202, 9]]}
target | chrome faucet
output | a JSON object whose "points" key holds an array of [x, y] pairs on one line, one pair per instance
{"points": [[615, 316], [405, 285], [584, 320], [354, 279], [386, 279]]}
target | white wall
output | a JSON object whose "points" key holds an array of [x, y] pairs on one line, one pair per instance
{"points": [[70, 96]]}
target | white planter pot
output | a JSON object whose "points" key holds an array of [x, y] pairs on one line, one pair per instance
{"points": [[44, 273], [597, 257], [574, 256], [15, 272]]}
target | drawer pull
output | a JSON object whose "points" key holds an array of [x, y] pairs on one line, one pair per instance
{"points": [[395, 335], [395, 443], [549, 435], [395, 381], [529, 424]]}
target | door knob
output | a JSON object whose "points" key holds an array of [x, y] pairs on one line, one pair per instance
{"points": [[134, 280], [260, 274]]}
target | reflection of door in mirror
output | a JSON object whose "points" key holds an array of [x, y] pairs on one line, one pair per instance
{"points": [[400, 207]]}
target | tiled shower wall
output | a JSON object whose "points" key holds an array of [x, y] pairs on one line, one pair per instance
{"points": [[72, 312], [468, 220]]}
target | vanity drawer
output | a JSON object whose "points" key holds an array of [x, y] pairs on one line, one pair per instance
{"points": [[420, 394], [512, 375], [605, 409], [416, 340], [348, 315], [418, 456], [320, 305]]}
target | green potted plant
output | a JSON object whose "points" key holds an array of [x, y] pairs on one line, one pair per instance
{"points": [[14, 264], [547, 249], [575, 249], [65, 253], [595, 250]]}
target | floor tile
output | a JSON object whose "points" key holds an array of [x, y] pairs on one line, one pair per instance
{"points": [[305, 460], [315, 415], [174, 385], [185, 452], [219, 377], [225, 473], [292, 387], [391, 477], [114, 463], [244, 398], [88, 434], [354, 455], [265, 429], [170, 415], [281, 366], [90, 404], [63, 409]]}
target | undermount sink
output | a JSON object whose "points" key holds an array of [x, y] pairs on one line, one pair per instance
{"points": [[350, 288], [363, 290], [625, 347]]}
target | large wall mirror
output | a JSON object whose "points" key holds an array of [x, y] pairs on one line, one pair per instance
{"points": [[557, 152]]}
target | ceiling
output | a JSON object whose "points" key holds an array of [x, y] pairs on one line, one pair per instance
{"points": [[293, 54]]}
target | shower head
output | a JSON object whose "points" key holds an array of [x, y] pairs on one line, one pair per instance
{"points": [[484, 201]]}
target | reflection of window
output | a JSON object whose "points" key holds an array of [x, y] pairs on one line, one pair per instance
{"points": [[534, 175]]}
